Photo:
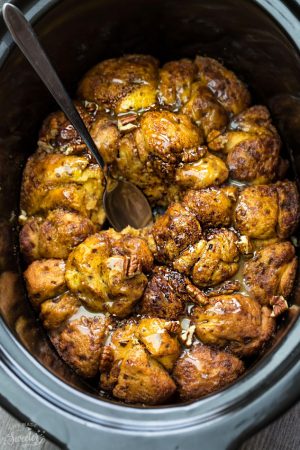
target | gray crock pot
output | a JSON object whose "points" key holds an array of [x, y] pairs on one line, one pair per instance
{"points": [[260, 40]]}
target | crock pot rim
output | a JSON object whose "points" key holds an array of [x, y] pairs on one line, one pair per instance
{"points": [[10, 365], [285, 355], [33, 12]]}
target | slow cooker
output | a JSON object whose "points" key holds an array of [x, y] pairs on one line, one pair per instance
{"points": [[260, 41]]}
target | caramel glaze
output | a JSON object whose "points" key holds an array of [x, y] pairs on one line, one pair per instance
{"points": [[184, 127]]}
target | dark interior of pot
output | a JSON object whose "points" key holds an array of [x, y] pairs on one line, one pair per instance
{"points": [[76, 35]]}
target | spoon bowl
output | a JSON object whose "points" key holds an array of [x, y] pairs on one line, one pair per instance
{"points": [[122, 200]]}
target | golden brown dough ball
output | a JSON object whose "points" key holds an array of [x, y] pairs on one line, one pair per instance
{"points": [[45, 279], [206, 111], [271, 272], [268, 211], [139, 378], [165, 295], [131, 241], [256, 212], [252, 146], [58, 135], [55, 235], [289, 208], [175, 230], [213, 206], [108, 274], [85, 269], [212, 260], [224, 84], [207, 171], [58, 181], [79, 343], [123, 339], [129, 370], [134, 164], [55, 311], [235, 321], [175, 82], [203, 370], [164, 155], [122, 84], [169, 138], [159, 338], [149, 155], [106, 135]]}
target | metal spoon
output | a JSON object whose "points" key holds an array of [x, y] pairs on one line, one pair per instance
{"points": [[123, 202]]}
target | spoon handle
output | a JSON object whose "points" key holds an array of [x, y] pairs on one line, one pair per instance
{"points": [[27, 41]]}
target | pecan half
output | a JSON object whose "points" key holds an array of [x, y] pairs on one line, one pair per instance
{"points": [[132, 266], [127, 122], [279, 304], [198, 296]]}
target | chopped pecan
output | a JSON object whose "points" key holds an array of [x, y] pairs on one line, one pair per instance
{"points": [[198, 296], [228, 287], [127, 122], [279, 305], [173, 327]]}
